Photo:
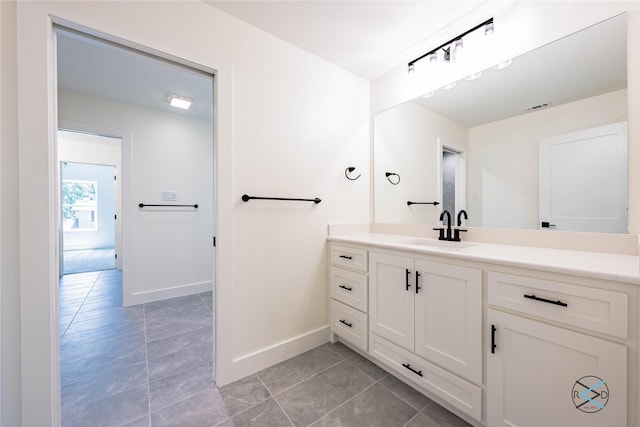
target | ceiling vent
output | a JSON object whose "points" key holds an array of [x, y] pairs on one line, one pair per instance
{"points": [[538, 107]]}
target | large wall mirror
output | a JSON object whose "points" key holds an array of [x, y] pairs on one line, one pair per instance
{"points": [[537, 143]]}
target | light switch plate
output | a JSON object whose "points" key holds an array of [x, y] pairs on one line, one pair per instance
{"points": [[169, 196]]}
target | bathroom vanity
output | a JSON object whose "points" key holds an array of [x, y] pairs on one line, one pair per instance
{"points": [[502, 335]]}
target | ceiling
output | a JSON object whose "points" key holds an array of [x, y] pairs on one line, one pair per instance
{"points": [[363, 37], [103, 70], [366, 37]]}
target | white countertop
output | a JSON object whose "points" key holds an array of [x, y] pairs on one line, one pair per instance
{"points": [[606, 266]]}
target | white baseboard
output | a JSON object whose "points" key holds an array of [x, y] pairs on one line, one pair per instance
{"points": [[162, 294], [269, 356]]}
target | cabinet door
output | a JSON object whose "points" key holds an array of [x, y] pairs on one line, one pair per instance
{"points": [[542, 375], [448, 317], [391, 298]]}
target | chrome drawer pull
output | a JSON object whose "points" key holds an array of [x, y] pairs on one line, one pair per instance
{"points": [[408, 366], [345, 256], [345, 322], [533, 297], [346, 288]]}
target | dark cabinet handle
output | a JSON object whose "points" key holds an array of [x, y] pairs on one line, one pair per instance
{"points": [[408, 366], [533, 297], [345, 256], [346, 323], [493, 339], [346, 287], [407, 285], [417, 281]]}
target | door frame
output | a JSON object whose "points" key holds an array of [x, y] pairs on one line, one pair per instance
{"points": [[68, 126], [38, 171]]}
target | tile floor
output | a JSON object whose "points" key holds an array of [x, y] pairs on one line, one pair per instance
{"points": [[88, 260], [151, 365]]}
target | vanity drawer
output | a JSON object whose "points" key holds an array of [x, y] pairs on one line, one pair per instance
{"points": [[598, 310], [349, 287], [345, 256], [350, 324], [454, 390]]}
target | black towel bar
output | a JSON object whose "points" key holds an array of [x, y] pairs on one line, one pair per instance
{"points": [[409, 203], [246, 198]]}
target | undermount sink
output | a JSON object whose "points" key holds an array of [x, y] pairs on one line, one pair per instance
{"points": [[438, 244]]}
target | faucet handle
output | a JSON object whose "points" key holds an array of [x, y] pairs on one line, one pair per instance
{"points": [[441, 230], [456, 234]]}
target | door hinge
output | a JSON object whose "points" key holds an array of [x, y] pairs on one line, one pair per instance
{"points": [[214, 241], [115, 178], [116, 256], [115, 217]]}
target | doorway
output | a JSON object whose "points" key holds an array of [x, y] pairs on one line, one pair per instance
{"points": [[153, 323], [453, 180], [88, 217]]}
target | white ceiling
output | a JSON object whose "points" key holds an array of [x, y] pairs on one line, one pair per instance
{"points": [[363, 37], [103, 70], [366, 37]]}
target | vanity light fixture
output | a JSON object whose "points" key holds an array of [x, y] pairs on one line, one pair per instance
{"points": [[451, 46], [389, 175], [179, 101], [348, 170]]}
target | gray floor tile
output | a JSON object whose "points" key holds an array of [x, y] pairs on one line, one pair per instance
{"points": [[421, 420], [368, 367], [374, 407], [442, 417], [297, 369], [207, 299], [213, 405], [340, 349], [179, 342], [114, 410], [180, 385], [405, 392], [142, 422], [96, 385], [321, 394], [180, 360], [265, 414]]}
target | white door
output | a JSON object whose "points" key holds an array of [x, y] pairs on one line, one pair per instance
{"points": [[542, 375], [583, 180], [391, 298], [448, 322]]}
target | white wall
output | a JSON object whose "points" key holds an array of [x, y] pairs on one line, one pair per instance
{"points": [[408, 140], [506, 191], [288, 124], [170, 250], [10, 363]]}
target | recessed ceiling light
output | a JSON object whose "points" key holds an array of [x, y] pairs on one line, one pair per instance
{"points": [[179, 101], [449, 86]]}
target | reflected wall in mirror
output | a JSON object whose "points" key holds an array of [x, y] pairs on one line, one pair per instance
{"points": [[495, 123]]}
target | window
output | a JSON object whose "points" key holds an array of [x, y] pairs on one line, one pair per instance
{"points": [[79, 205]]}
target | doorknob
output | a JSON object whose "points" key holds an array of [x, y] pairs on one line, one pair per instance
{"points": [[545, 224]]}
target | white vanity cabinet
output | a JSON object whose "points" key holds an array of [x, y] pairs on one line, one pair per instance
{"points": [[348, 288], [433, 311], [503, 336], [540, 373]]}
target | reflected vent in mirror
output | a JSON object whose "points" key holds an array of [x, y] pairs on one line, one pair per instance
{"points": [[538, 107]]}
